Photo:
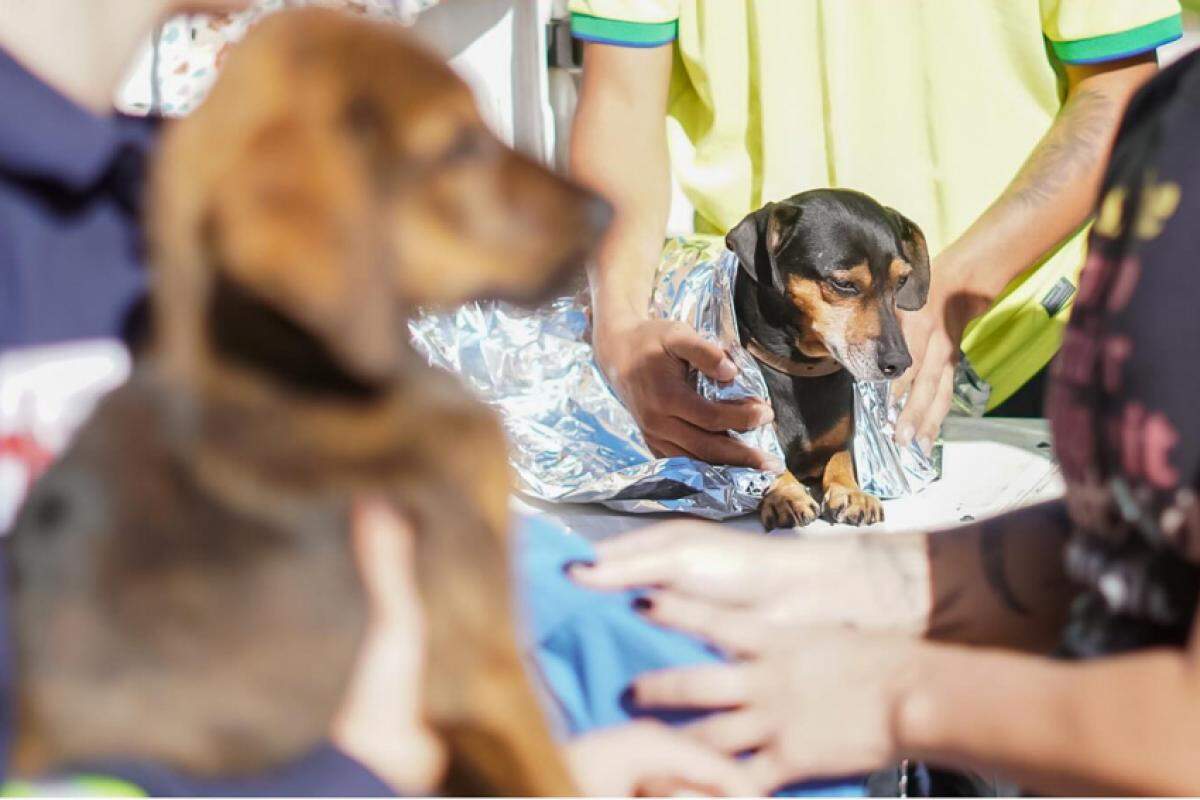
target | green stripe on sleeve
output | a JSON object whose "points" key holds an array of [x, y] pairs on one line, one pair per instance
{"points": [[623, 32], [1122, 44], [75, 786]]}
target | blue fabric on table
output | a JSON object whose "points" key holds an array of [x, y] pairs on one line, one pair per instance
{"points": [[589, 646]]}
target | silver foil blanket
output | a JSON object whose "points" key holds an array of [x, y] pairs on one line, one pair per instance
{"points": [[572, 440]]}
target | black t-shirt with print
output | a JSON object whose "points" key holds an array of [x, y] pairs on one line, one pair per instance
{"points": [[1124, 398]]}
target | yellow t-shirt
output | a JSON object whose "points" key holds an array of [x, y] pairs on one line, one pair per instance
{"points": [[930, 106]]}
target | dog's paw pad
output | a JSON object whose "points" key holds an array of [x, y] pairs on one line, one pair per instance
{"points": [[852, 506], [789, 507]]}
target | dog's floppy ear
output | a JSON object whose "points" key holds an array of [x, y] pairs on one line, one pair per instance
{"points": [[916, 291], [287, 224], [758, 238]]}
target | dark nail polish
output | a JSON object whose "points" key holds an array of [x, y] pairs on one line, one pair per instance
{"points": [[570, 565], [642, 604]]}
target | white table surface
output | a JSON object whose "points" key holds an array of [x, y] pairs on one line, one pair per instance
{"points": [[988, 466]]}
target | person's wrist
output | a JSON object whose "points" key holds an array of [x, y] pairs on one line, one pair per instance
{"points": [[896, 583], [917, 614], [961, 290], [911, 701], [609, 332]]}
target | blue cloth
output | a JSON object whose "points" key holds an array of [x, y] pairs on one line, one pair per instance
{"points": [[589, 646], [71, 247]]}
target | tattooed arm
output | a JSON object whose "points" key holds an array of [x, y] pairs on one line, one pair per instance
{"points": [[1050, 197], [1122, 725], [996, 582], [839, 702], [834, 701], [1001, 581]]}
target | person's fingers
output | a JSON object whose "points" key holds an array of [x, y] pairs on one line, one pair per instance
{"points": [[916, 336], [931, 425], [734, 631], [651, 538], [718, 417], [901, 385], [645, 569], [661, 448], [383, 546], [731, 732], [671, 761], [380, 720], [709, 686], [716, 448], [687, 345], [766, 770], [922, 393]]}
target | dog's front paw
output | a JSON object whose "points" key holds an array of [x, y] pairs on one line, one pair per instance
{"points": [[852, 506], [788, 505]]}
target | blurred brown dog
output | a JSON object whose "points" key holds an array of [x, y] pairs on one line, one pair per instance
{"points": [[184, 586]]}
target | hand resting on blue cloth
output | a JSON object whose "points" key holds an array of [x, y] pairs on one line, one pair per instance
{"points": [[589, 646]]}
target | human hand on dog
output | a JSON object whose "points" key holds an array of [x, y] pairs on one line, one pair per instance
{"points": [[647, 363], [934, 334], [649, 759], [752, 589], [822, 703], [380, 722]]}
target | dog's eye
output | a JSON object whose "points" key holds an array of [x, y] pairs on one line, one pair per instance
{"points": [[900, 283], [464, 146], [362, 117], [843, 287]]}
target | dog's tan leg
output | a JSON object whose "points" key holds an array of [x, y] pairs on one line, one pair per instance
{"points": [[788, 504], [844, 501]]}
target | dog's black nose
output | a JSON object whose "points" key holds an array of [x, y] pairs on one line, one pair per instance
{"points": [[598, 214], [892, 364]]}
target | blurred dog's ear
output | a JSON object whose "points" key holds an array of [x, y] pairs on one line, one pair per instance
{"points": [[759, 238], [287, 225], [916, 291]]}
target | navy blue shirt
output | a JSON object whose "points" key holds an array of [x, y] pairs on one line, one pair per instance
{"points": [[70, 238], [324, 772]]}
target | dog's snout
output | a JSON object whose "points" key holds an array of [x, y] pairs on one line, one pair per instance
{"points": [[893, 362]]}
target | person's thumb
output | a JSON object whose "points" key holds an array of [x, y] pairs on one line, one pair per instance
{"points": [[709, 357]]}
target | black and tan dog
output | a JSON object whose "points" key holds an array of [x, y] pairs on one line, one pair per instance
{"points": [[822, 274], [184, 587]]}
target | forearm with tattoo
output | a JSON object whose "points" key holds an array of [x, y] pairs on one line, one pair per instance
{"points": [[1071, 150], [1001, 581], [1053, 192]]}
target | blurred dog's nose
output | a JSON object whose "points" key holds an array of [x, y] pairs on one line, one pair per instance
{"points": [[598, 214], [893, 363]]}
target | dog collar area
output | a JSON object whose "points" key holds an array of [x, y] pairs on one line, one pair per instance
{"points": [[798, 369]]}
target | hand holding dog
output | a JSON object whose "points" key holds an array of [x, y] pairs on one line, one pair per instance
{"points": [[647, 363], [381, 722], [823, 703], [750, 589], [934, 335]]}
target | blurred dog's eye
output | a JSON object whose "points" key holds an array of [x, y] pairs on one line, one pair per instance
{"points": [[900, 283], [465, 145], [843, 287], [363, 117]]}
